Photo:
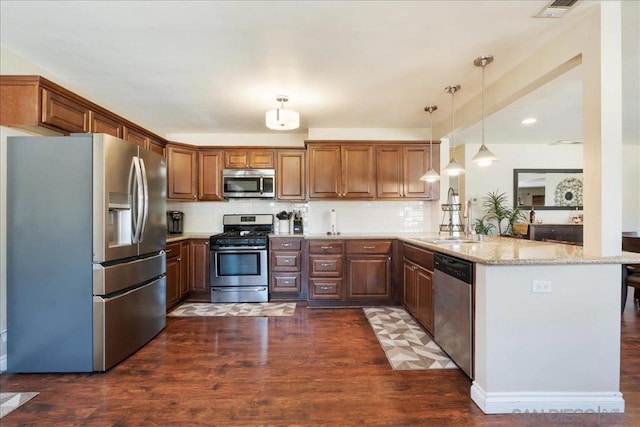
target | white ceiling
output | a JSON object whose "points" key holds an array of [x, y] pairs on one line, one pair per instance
{"points": [[216, 67]]}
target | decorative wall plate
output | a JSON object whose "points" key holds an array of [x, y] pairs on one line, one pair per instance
{"points": [[569, 192]]}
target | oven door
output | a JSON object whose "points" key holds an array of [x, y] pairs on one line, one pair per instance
{"points": [[239, 266]]}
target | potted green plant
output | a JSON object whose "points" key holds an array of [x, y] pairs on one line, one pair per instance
{"points": [[483, 226], [498, 210]]}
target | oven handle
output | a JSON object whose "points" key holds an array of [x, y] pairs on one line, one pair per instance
{"points": [[236, 288], [237, 248]]}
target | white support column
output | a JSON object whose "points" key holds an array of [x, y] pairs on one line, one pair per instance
{"points": [[602, 113]]}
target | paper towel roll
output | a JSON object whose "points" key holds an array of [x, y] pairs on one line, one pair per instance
{"points": [[333, 221]]}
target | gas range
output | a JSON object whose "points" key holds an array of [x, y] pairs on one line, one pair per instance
{"points": [[239, 259]]}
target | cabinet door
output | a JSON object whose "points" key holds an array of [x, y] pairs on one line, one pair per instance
{"points": [[136, 137], [324, 172], [173, 282], [290, 175], [199, 265], [358, 172], [64, 113], [101, 123], [389, 172], [156, 146], [416, 163], [184, 269], [261, 159], [182, 173], [368, 277], [209, 175], [424, 287], [410, 298], [236, 159]]}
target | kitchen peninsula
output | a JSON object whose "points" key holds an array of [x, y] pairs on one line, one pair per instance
{"points": [[546, 321]]}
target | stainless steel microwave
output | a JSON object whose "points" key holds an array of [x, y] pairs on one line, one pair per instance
{"points": [[248, 183]]}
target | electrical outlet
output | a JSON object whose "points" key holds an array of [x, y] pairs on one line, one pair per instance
{"points": [[541, 286]]}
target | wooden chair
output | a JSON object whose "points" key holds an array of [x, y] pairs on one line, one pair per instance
{"points": [[631, 272]]}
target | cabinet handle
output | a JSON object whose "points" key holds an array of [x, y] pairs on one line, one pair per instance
{"points": [[286, 245], [286, 261], [325, 288], [168, 250], [325, 265], [286, 282], [369, 247], [326, 247]]}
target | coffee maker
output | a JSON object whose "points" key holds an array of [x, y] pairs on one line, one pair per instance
{"points": [[174, 222]]}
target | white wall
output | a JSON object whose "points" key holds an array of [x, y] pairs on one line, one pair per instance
{"points": [[499, 176]]}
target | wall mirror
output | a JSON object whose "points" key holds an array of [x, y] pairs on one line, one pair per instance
{"points": [[547, 189]]}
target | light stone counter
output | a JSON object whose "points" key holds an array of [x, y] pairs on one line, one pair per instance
{"points": [[172, 238]]}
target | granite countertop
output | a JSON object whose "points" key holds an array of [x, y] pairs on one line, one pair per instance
{"points": [[491, 251]]}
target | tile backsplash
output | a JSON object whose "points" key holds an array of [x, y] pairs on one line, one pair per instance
{"points": [[352, 216]]}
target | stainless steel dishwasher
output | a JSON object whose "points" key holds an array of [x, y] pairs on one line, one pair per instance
{"points": [[452, 282]]}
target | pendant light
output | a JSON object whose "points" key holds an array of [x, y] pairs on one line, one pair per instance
{"points": [[484, 157], [431, 175], [453, 168], [282, 118]]}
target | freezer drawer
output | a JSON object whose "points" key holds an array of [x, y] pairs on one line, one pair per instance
{"points": [[117, 277], [125, 323]]}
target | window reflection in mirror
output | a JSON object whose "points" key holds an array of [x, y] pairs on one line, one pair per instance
{"points": [[547, 189]]}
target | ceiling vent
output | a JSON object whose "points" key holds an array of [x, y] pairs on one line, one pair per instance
{"points": [[555, 9]]}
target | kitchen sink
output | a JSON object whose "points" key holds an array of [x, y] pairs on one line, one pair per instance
{"points": [[446, 240]]}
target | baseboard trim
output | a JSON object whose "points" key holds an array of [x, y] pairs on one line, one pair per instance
{"points": [[547, 402]]}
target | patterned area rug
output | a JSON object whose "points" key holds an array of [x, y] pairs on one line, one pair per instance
{"points": [[260, 309], [406, 345], [12, 401]]}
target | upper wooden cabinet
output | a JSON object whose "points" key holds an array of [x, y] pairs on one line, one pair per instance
{"points": [[290, 175], [341, 171], [210, 174], [399, 168], [41, 106], [182, 173], [249, 158]]}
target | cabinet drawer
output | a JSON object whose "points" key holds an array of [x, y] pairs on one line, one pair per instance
{"points": [[325, 288], [285, 261], [285, 282], [325, 247], [172, 250], [285, 244], [325, 266], [419, 256], [368, 246]]}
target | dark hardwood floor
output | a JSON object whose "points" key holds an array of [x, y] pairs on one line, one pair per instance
{"points": [[319, 367]]}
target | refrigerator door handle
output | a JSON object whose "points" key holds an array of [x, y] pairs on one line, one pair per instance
{"points": [[139, 201], [145, 199]]}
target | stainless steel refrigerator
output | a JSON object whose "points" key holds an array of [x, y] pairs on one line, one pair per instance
{"points": [[86, 223]]}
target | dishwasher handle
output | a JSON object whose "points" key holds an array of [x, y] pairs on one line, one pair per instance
{"points": [[455, 267]]}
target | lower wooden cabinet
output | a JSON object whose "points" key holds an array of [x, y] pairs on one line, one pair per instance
{"points": [[368, 270], [177, 272], [199, 267], [418, 285], [285, 267]]}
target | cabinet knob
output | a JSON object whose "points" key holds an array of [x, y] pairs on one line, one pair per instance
{"points": [[194, 196], [179, 259]]}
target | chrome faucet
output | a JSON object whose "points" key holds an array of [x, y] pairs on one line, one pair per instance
{"points": [[468, 217]]}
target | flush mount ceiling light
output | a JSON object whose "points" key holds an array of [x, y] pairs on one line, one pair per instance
{"points": [[484, 157], [453, 168], [282, 118], [529, 121], [431, 175]]}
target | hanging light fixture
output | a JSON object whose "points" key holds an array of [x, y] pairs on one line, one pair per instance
{"points": [[484, 157], [282, 118], [431, 175], [453, 168]]}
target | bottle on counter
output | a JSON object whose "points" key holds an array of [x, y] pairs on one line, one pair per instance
{"points": [[532, 215]]}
